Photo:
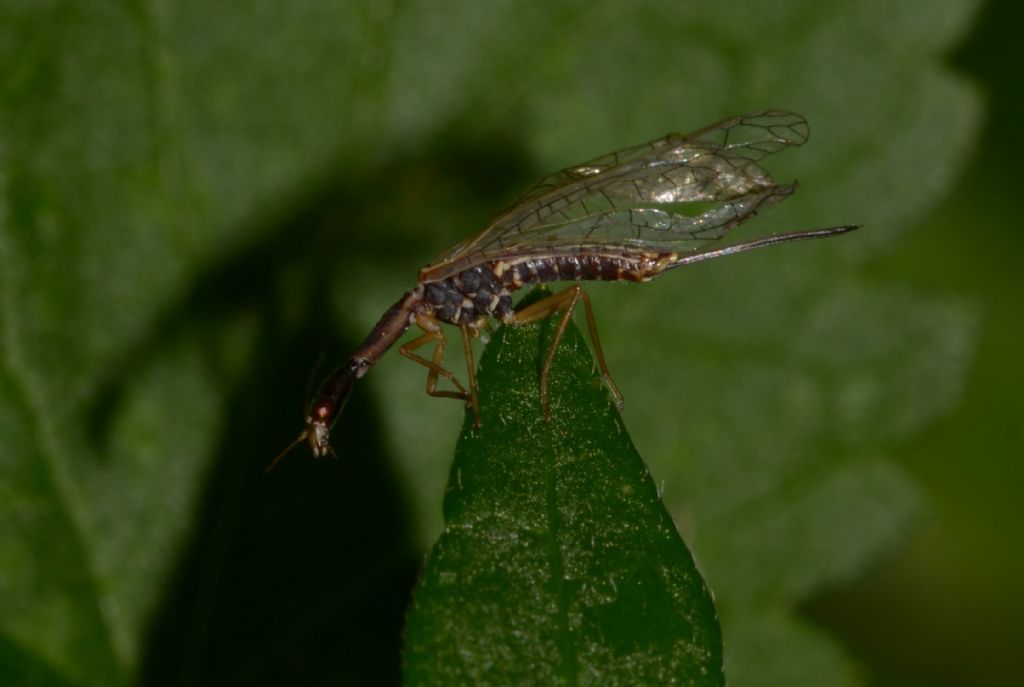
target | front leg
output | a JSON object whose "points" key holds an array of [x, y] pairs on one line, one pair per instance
{"points": [[433, 334]]}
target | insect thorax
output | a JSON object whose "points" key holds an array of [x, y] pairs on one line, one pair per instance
{"points": [[468, 297]]}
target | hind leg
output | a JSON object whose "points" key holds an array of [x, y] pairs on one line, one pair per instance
{"points": [[565, 302]]}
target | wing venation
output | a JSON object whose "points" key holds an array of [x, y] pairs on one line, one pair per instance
{"points": [[676, 193]]}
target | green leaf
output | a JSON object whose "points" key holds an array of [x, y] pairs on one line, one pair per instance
{"points": [[197, 199], [558, 563]]}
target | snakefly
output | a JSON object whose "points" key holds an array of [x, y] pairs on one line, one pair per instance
{"points": [[626, 216]]}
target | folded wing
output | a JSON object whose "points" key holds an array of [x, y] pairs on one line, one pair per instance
{"points": [[674, 194]]}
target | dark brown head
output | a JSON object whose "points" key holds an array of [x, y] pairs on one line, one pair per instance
{"points": [[325, 409], [319, 422]]}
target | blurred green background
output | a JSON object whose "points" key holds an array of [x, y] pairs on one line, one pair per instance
{"points": [[199, 200]]}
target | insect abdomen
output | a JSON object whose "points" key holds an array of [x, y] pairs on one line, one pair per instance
{"points": [[628, 267]]}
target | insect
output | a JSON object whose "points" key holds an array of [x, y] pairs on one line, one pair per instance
{"points": [[627, 216]]}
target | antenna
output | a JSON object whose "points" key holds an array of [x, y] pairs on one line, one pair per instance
{"points": [[295, 442], [305, 432]]}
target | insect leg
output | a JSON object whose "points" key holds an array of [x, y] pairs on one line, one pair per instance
{"points": [[467, 348], [437, 337], [565, 301]]}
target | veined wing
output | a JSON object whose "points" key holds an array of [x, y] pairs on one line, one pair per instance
{"points": [[675, 193], [645, 228]]}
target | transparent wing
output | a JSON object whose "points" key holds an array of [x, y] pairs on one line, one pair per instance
{"points": [[674, 194], [646, 228]]}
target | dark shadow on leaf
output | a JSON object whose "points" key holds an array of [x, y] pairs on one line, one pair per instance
{"points": [[19, 666], [298, 577], [302, 576], [366, 213], [244, 280]]}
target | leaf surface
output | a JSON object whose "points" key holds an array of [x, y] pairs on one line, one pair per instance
{"points": [[558, 563]]}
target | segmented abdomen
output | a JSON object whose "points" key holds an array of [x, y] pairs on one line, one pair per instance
{"points": [[624, 267]]}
